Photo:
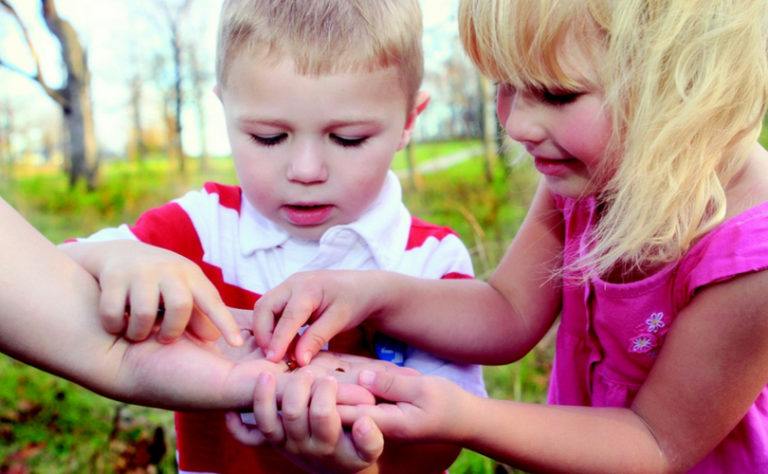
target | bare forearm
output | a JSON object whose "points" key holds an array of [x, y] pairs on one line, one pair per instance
{"points": [[564, 439], [48, 318], [466, 320]]}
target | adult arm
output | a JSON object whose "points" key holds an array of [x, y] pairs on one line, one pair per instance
{"points": [[49, 319]]}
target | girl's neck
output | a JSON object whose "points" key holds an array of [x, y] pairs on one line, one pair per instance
{"points": [[749, 187]]}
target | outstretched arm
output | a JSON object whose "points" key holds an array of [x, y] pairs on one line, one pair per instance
{"points": [[49, 319], [709, 372], [466, 320]]}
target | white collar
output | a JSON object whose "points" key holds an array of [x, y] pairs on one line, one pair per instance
{"points": [[384, 227]]}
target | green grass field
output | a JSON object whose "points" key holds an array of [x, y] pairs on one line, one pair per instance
{"points": [[50, 425]]}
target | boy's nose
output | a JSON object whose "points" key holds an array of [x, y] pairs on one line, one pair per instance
{"points": [[307, 165]]}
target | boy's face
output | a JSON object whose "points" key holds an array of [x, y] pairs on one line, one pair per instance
{"points": [[312, 152]]}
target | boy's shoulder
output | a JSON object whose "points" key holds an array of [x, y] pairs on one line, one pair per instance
{"points": [[422, 230], [230, 196]]}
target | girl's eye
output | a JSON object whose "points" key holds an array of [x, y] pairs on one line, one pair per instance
{"points": [[559, 97], [268, 140], [348, 142]]}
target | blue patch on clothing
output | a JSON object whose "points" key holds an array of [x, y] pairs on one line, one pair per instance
{"points": [[389, 349]]}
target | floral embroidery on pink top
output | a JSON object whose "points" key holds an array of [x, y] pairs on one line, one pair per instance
{"points": [[649, 335]]}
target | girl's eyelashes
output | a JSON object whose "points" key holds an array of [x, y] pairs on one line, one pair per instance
{"points": [[558, 97], [348, 142], [268, 140]]}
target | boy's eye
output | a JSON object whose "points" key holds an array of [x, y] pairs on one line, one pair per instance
{"points": [[268, 140], [348, 142], [559, 97]]}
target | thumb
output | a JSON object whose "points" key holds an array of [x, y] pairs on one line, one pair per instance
{"points": [[389, 386]]}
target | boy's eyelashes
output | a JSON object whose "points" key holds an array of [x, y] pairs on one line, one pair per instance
{"points": [[272, 140], [268, 140], [348, 141]]}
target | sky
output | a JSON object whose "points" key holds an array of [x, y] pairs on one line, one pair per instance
{"points": [[119, 36]]}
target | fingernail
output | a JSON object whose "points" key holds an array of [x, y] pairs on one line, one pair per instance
{"points": [[306, 357], [271, 355], [366, 377]]}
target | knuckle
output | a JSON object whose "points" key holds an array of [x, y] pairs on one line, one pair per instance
{"points": [[316, 340], [178, 304], [292, 413]]}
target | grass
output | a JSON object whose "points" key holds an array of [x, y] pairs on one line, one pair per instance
{"points": [[51, 425]]}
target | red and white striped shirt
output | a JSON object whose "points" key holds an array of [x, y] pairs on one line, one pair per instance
{"points": [[244, 255]]}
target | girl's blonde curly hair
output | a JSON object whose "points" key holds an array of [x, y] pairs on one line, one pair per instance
{"points": [[685, 82]]}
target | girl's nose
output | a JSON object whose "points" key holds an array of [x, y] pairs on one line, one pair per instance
{"points": [[521, 118], [308, 165]]}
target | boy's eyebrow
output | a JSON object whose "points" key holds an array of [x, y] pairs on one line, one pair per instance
{"points": [[286, 124]]}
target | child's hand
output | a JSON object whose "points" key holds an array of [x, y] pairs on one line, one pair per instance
{"points": [[143, 285], [415, 407], [308, 429], [334, 300]]}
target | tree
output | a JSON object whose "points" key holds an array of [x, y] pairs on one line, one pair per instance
{"points": [[137, 149], [198, 77], [174, 17], [489, 125], [74, 96]]}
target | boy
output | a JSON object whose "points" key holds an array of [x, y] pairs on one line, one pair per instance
{"points": [[318, 95]]}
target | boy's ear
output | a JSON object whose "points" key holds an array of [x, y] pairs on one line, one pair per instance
{"points": [[422, 99], [217, 91]]}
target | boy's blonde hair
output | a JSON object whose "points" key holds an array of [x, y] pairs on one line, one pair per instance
{"points": [[325, 36], [686, 83]]}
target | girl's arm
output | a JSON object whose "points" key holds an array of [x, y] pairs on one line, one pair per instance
{"points": [[709, 372], [468, 320]]}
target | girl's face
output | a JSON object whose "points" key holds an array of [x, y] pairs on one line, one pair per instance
{"points": [[566, 132]]}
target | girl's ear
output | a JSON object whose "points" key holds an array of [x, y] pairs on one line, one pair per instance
{"points": [[422, 99]]}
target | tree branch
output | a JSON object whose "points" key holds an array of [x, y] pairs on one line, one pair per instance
{"points": [[54, 94]]}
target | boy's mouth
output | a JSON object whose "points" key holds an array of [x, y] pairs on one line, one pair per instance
{"points": [[307, 214]]}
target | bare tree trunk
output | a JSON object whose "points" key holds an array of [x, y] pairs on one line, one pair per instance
{"points": [[6, 130], [417, 183], [490, 129], [176, 144], [136, 86], [198, 81], [74, 98], [78, 109], [175, 18]]}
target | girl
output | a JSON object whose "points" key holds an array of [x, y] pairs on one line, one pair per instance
{"points": [[648, 235]]}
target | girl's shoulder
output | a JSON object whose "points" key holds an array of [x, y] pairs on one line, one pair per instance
{"points": [[736, 247]]}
